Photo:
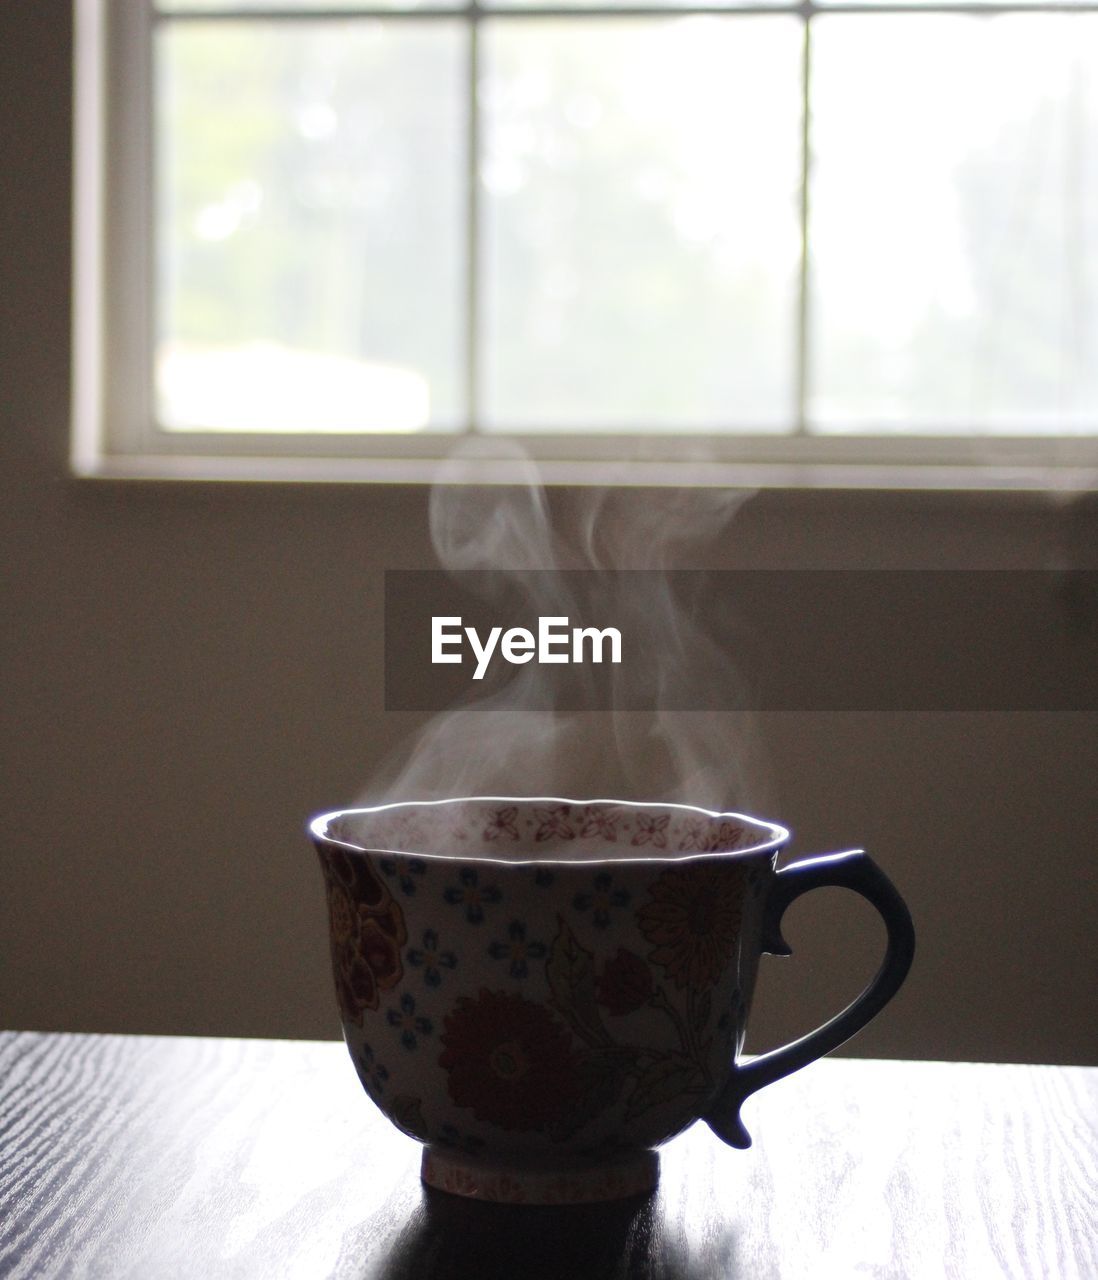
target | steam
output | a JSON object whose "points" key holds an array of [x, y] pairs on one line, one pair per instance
{"points": [[513, 741]]}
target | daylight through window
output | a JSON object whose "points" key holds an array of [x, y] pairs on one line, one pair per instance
{"points": [[573, 220]]}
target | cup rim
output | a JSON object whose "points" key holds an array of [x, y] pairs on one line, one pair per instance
{"points": [[318, 828]]}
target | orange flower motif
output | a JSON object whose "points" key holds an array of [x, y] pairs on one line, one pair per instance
{"points": [[341, 913], [367, 933], [692, 920]]}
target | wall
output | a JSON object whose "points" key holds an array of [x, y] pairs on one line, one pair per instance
{"points": [[188, 671]]}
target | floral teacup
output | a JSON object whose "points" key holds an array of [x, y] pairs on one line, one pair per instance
{"points": [[543, 991]]}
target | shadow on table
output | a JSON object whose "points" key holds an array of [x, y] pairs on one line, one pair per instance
{"points": [[449, 1238]]}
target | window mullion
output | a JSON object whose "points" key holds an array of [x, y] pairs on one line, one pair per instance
{"points": [[129, 223], [473, 231], [802, 352]]}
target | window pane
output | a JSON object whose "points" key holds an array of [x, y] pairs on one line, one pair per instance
{"points": [[311, 219], [954, 223], [635, 4], [640, 188], [993, 4]]}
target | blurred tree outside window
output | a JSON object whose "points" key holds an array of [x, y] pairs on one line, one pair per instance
{"points": [[408, 219]]}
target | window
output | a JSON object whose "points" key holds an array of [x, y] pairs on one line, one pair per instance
{"points": [[767, 232]]}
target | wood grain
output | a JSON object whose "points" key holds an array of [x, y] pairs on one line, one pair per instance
{"points": [[148, 1157]]}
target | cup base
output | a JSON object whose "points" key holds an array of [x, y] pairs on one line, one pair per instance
{"points": [[450, 1171]]}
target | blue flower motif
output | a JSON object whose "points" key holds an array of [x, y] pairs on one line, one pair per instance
{"points": [[518, 950], [471, 894], [403, 869], [543, 877], [469, 1142], [371, 1072], [602, 899], [431, 959], [410, 1026]]}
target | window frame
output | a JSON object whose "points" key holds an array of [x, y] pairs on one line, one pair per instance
{"points": [[114, 433]]}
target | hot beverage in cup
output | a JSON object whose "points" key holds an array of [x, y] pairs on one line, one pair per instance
{"points": [[544, 991]]}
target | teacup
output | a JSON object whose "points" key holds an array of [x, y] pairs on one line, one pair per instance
{"points": [[543, 991]]}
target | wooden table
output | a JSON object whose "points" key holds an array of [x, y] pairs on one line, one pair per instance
{"points": [[129, 1156]]}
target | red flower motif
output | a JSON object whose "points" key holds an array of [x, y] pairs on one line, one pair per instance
{"points": [[502, 824], [554, 822], [367, 933], [695, 832], [509, 1061], [601, 822], [692, 920], [729, 835], [626, 982], [652, 829]]}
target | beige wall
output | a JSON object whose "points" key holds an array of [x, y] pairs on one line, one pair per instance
{"points": [[188, 671]]}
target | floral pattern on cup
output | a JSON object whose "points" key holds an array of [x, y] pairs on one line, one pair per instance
{"points": [[651, 828], [431, 958], [554, 824], [600, 1013], [728, 835], [602, 899], [544, 991], [601, 823], [404, 870], [450, 1136], [408, 1022], [517, 949], [525, 1064], [693, 835], [626, 983], [692, 919], [374, 1075], [613, 1070], [407, 1114], [367, 932], [414, 829], [502, 824], [471, 894], [509, 1061], [613, 1182]]}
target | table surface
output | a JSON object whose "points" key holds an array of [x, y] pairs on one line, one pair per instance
{"points": [[150, 1157]]}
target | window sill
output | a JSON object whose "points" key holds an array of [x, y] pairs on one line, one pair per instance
{"points": [[992, 477]]}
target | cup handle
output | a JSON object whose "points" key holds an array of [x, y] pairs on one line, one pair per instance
{"points": [[852, 870]]}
